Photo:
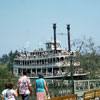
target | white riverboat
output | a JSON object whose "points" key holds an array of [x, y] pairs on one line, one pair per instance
{"points": [[53, 62]]}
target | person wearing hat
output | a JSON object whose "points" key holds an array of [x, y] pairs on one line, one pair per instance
{"points": [[40, 88]]}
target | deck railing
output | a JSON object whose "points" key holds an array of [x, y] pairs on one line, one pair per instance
{"points": [[81, 86]]}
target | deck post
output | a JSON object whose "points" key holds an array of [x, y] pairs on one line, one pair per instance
{"points": [[31, 72], [36, 71], [22, 71], [46, 71], [41, 70], [52, 71], [71, 70]]}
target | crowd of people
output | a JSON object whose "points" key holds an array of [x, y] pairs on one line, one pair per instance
{"points": [[24, 89]]}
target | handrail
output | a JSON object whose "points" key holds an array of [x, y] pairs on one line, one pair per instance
{"points": [[87, 95], [92, 94], [68, 97]]}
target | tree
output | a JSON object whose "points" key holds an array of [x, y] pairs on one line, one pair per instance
{"points": [[7, 60], [4, 58], [11, 59], [89, 56], [4, 73]]}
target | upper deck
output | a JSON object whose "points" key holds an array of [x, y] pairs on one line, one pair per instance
{"points": [[48, 53]]}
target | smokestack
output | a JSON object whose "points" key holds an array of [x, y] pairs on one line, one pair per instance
{"points": [[54, 28], [68, 29]]}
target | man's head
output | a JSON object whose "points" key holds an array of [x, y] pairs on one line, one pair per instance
{"points": [[24, 72]]}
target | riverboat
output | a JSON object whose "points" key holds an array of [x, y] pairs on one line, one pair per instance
{"points": [[52, 63]]}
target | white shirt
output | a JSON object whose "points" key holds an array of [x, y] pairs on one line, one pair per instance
{"points": [[10, 94], [4, 92]]}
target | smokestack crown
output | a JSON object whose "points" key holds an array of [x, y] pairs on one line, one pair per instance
{"points": [[68, 27], [54, 26]]}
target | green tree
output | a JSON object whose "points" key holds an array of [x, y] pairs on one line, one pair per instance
{"points": [[7, 60], [4, 73], [89, 56]]}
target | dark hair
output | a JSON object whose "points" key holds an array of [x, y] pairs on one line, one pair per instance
{"points": [[24, 72], [40, 75], [6, 85], [11, 85]]}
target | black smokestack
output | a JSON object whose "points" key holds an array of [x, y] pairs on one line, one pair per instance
{"points": [[68, 29], [54, 28]]}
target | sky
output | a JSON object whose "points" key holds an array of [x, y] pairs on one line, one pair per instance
{"points": [[28, 23]]}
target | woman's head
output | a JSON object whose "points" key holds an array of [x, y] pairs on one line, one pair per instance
{"points": [[40, 75]]}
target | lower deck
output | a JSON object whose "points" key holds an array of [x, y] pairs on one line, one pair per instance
{"points": [[53, 72], [47, 72]]}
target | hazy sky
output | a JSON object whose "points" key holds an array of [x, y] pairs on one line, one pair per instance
{"points": [[28, 23]]}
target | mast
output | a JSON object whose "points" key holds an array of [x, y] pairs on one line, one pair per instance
{"points": [[68, 30], [54, 28]]}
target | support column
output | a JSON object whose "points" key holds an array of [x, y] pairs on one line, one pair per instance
{"points": [[52, 71], [46, 71], [31, 72], [41, 70], [22, 71], [17, 72], [36, 71]]}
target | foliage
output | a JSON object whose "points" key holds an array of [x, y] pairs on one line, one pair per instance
{"points": [[6, 66], [4, 72], [89, 56]]}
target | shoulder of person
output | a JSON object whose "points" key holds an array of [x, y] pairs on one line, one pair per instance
{"points": [[20, 78], [14, 91], [43, 79], [27, 78], [4, 91]]}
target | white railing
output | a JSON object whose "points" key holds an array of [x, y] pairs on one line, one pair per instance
{"points": [[81, 86]]}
